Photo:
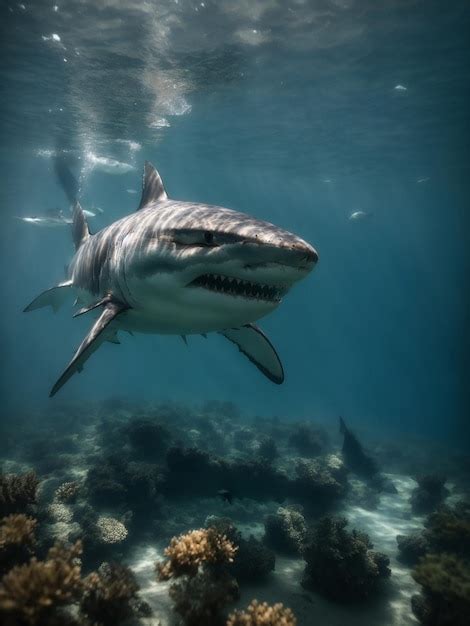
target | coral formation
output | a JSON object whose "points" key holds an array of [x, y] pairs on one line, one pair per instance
{"points": [[67, 492], [200, 599], [307, 440], [412, 547], [17, 492], [109, 595], [111, 530], [147, 438], [31, 593], [340, 564], [60, 512], [286, 530], [17, 539], [252, 560], [262, 614], [448, 529], [318, 483], [445, 598], [187, 552], [429, 493], [267, 450], [203, 587]]}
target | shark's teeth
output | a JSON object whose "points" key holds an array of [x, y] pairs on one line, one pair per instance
{"points": [[235, 287]]}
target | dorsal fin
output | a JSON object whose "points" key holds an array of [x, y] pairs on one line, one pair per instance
{"points": [[80, 231], [152, 186]]}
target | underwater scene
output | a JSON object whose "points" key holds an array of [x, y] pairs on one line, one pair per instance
{"points": [[235, 313]]}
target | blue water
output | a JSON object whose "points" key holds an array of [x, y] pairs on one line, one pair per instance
{"points": [[287, 111]]}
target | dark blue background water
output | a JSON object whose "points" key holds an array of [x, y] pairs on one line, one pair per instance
{"points": [[298, 123]]}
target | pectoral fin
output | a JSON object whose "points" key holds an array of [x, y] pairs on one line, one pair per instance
{"points": [[99, 332], [254, 344], [53, 297]]}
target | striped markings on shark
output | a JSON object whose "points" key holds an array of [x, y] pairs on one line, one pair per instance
{"points": [[180, 268]]}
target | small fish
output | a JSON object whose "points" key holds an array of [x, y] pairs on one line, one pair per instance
{"points": [[225, 495], [400, 88], [108, 165], [46, 220], [132, 191], [422, 180], [358, 215]]}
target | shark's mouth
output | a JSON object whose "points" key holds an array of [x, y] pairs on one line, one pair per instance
{"points": [[236, 287]]}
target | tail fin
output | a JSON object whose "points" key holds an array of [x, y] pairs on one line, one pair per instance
{"points": [[80, 230], [342, 426]]}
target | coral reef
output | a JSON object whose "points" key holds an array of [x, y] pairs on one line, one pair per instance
{"points": [[17, 539], [307, 440], [125, 485], [318, 483], [201, 599], [17, 492], [195, 471], [147, 438], [253, 561], [412, 547], [110, 595], [31, 593], [448, 529], [187, 552], [262, 614], [203, 586], [267, 450], [356, 459], [286, 531], [340, 564], [111, 530], [429, 493], [67, 492], [445, 598]]}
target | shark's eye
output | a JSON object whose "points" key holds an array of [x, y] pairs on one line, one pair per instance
{"points": [[208, 237]]}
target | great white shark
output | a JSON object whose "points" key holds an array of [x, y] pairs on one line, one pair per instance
{"points": [[180, 268]]}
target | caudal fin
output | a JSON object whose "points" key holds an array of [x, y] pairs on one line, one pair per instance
{"points": [[80, 230]]}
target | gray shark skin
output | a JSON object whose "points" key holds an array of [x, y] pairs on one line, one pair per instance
{"points": [[180, 268]]}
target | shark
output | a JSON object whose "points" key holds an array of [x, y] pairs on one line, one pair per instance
{"points": [[179, 268]]}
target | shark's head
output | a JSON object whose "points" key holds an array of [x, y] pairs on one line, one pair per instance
{"points": [[224, 268]]}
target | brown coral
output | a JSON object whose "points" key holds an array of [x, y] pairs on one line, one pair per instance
{"points": [[445, 598], [187, 552], [30, 594], [17, 538], [200, 599], [108, 594], [17, 492], [67, 492], [17, 530], [262, 615]]}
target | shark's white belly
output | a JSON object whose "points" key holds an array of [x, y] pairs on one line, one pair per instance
{"points": [[184, 312], [186, 319]]}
